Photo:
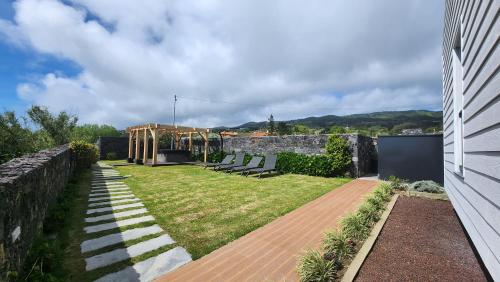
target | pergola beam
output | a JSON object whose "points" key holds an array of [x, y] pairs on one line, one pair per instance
{"points": [[155, 129]]}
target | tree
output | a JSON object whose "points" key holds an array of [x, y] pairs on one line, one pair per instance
{"points": [[15, 139], [336, 129], [302, 129], [283, 128], [90, 132], [58, 128], [271, 126]]}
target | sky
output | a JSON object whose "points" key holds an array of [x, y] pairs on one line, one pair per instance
{"points": [[121, 62]]}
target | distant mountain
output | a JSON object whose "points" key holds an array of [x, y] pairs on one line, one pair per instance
{"points": [[415, 118]]}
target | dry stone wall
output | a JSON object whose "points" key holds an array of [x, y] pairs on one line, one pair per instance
{"points": [[28, 186]]}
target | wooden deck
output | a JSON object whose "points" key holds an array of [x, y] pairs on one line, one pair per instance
{"points": [[270, 252]]}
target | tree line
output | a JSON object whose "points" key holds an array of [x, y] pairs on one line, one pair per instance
{"points": [[40, 130]]}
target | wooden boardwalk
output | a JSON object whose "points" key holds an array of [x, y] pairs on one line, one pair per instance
{"points": [[270, 253]]}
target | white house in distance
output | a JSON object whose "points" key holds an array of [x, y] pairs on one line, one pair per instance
{"points": [[471, 122]]}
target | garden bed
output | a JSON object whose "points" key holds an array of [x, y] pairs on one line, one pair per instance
{"points": [[422, 240]]}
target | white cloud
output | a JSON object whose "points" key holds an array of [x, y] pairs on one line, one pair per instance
{"points": [[249, 58]]}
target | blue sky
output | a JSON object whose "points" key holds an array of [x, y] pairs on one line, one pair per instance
{"points": [[229, 62]]}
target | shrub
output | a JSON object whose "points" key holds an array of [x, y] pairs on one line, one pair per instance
{"points": [[84, 154], [426, 186], [354, 227], [312, 267], [397, 184], [337, 246], [314, 165], [111, 156], [338, 151], [369, 213]]}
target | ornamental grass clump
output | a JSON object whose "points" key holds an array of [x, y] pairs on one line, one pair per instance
{"points": [[337, 246], [355, 227], [313, 267], [369, 214]]}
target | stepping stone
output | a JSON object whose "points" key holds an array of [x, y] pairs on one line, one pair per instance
{"points": [[114, 208], [111, 197], [151, 268], [118, 255], [110, 183], [109, 186], [100, 178], [110, 189], [109, 203], [108, 240], [115, 215], [121, 223], [104, 194]]}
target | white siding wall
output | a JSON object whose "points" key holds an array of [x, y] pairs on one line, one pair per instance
{"points": [[476, 195]]}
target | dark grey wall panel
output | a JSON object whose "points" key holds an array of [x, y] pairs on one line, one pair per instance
{"points": [[411, 157]]}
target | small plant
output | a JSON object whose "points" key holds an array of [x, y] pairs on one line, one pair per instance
{"points": [[337, 246], [312, 267], [369, 213], [354, 227], [397, 184], [111, 156], [426, 186]]}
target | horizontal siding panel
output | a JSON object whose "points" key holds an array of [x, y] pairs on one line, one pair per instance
{"points": [[488, 117], [486, 141], [484, 250], [449, 158], [489, 93], [469, 27], [485, 214], [473, 50], [487, 163], [481, 51], [448, 148], [474, 83], [485, 208]]}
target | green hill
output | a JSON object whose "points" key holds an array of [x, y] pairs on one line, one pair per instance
{"points": [[385, 121]]}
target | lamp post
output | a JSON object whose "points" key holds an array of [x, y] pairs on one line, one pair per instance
{"points": [[172, 140]]}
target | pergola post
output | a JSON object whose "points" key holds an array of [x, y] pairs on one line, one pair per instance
{"points": [[130, 147], [137, 147], [155, 147], [205, 153], [146, 139]]}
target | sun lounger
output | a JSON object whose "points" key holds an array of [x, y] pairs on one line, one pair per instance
{"points": [[254, 163], [238, 161], [269, 166], [227, 160]]}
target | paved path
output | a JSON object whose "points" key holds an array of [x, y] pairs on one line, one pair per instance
{"points": [[270, 252], [113, 208]]}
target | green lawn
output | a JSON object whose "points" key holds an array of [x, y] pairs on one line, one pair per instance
{"points": [[204, 210]]}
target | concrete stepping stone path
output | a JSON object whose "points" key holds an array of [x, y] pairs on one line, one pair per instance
{"points": [[111, 199]]}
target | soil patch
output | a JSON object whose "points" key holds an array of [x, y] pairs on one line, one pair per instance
{"points": [[422, 240]]}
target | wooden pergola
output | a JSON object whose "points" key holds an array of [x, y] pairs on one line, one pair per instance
{"points": [[156, 130]]}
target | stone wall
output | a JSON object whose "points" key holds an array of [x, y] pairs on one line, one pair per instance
{"points": [[28, 186], [117, 145], [362, 147]]}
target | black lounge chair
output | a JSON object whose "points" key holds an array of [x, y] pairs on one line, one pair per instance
{"points": [[269, 166], [253, 163], [227, 160], [238, 161]]}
